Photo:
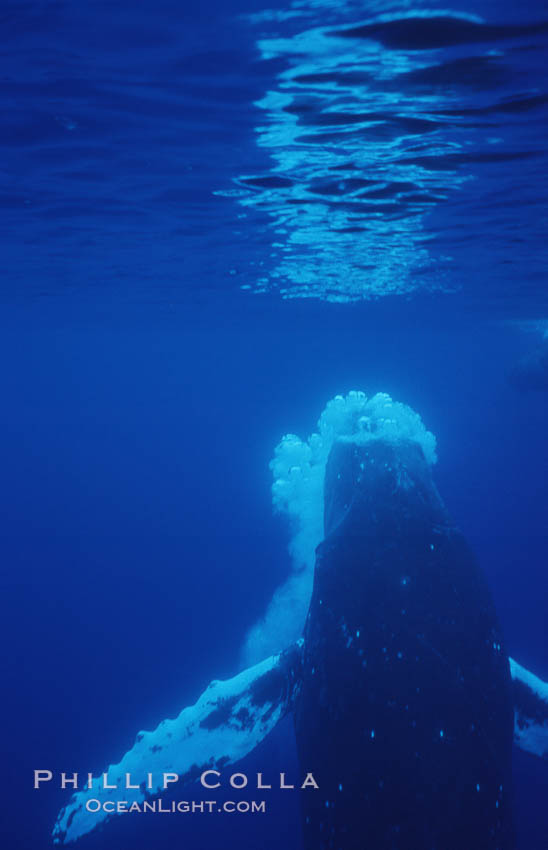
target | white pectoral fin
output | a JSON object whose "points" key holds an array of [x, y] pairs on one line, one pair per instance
{"points": [[530, 711], [226, 723]]}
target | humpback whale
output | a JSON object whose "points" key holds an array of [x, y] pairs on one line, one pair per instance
{"points": [[404, 698]]}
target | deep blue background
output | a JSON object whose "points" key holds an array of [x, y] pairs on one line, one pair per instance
{"points": [[143, 394]]}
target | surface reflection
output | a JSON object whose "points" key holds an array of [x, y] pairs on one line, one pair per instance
{"points": [[372, 125]]}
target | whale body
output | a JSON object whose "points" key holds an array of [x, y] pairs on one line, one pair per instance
{"points": [[404, 699], [405, 714]]}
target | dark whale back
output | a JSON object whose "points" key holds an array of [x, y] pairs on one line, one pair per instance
{"points": [[405, 714]]}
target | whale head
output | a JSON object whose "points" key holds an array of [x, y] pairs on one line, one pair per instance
{"points": [[375, 484]]}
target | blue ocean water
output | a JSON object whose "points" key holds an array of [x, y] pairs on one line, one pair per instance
{"points": [[214, 220]]}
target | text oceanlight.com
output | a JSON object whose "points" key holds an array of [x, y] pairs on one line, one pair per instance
{"points": [[173, 807]]}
